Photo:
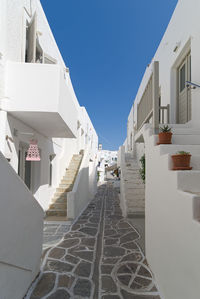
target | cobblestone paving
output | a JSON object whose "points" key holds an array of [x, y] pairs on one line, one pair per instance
{"points": [[53, 233], [98, 258]]}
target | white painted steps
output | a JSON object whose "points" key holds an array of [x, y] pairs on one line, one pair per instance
{"points": [[185, 139], [174, 148], [133, 188], [58, 206]]}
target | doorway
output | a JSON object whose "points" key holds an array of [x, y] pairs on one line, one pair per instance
{"points": [[184, 92], [24, 167]]}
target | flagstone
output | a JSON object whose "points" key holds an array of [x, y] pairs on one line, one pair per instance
{"points": [[98, 258], [60, 294], [44, 286], [58, 266], [65, 281], [83, 288]]}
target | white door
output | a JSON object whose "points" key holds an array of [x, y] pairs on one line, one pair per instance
{"points": [[184, 92]]}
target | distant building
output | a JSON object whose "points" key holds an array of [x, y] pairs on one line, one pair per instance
{"points": [[105, 159]]}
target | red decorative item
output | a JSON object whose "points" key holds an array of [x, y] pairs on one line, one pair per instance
{"points": [[33, 151]]}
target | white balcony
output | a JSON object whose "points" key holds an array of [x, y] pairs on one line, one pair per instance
{"points": [[40, 97]]}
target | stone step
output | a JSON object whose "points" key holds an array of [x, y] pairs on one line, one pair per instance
{"points": [[134, 191], [60, 194], [134, 187], [133, 182], [70, 173], [135, 205], [73, 165], [63, 189], [75, 162], [59, 200], [131, 176], [58, 206], [56, 213], [130, 197], [135, 212], [72, 169], [67, 180], [64, 185], [69, 176], [131, 170]]}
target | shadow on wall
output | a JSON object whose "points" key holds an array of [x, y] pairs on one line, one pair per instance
{"points": [[78, 198], [20, 217]]}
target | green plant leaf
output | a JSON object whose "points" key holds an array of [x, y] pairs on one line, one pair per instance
{"points": [[165, 129]]}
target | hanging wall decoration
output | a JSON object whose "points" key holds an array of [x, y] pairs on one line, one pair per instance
{"points": [[33, 151]]}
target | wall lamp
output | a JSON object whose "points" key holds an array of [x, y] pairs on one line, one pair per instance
{"points": [[192, 85]]}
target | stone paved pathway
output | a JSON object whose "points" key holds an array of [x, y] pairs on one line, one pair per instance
{"points": [[53, 233], [98, 258]]}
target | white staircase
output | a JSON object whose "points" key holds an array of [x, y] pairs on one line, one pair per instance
{"points": [[58, 206], [133, 188], [173, 214]]}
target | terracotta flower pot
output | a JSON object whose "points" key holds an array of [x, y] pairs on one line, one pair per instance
{"points": [[164, 138], [181, 162]]}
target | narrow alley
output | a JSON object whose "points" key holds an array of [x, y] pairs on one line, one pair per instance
{"points": [[99, 257]]}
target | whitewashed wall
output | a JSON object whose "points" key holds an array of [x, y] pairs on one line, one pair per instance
{"points": [[13, 17], [183, 30], [21, 227], [172, 232]]}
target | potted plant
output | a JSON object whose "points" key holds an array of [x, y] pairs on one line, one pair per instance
{"points": [[165, 136], [181, 161]]}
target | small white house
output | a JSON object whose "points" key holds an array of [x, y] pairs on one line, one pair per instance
{"points": [[37, 102], [169, 94]]}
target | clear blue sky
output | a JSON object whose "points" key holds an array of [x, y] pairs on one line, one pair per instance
{"points": [[107, 45]]}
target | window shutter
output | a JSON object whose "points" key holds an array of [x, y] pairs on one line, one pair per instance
{"points": [[31, 55]]}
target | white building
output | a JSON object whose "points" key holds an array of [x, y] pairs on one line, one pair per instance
{"points": [[37, 101], [172, 201]]}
